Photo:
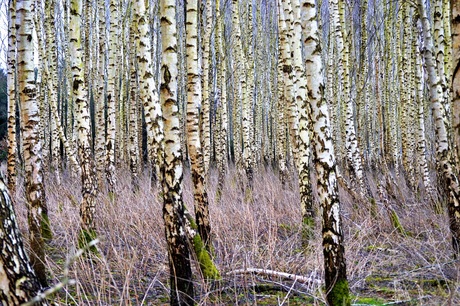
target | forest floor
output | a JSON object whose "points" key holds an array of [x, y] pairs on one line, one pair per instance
{"points": [[407, 264]]}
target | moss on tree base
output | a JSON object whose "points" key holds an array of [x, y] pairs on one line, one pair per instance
{"points": [[339, 294], [207, 266]]}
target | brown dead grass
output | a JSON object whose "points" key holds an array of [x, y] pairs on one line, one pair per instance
{"points": [[258, 229]]}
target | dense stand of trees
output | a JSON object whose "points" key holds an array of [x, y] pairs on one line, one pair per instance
{"points": [[295, 85]]}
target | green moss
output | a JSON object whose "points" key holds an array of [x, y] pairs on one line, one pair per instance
{"points": [[369, 301], [397, 224], [207, 266], [47, 234], [339, 294], [377, 278], [85, 237]]}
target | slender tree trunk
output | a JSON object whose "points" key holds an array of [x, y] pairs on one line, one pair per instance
{"points": [[421, 139], [30, 117], [194, 99], [238, 85], [99, 93], [112, 81], [221, 112], [445, 162], [88, 174], [51, 72], [303, 137], [205, 126], [248, 100], [173, 207], [281, 102], [333, 249], [455, 81], [148, 91], [351, 142], [286, 38], [133, 128]]}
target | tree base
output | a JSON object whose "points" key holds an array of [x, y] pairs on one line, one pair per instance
{"points": [[339, 294]]}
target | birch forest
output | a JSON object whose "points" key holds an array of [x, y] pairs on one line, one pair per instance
{"points": [[243, 152]]}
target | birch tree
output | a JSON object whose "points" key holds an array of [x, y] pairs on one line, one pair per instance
{"points": [[111, 94], [30, 117], [455, 22], [194, 97], [173, 207], [148, 90], [337, 291], [19, 282], [445, 163], [88, 174], [351, 141]]}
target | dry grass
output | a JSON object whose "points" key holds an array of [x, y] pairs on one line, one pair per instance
{"points": [[258, 230]]}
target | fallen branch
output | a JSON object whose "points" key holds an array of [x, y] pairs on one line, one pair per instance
{"points": [[295, 277]]}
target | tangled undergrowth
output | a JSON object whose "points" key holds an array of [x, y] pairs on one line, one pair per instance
{"points": [[409, 264]]}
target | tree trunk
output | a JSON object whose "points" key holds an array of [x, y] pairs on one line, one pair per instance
{"points": [[194, 98], [337, 291], [173, 208], [19, 283], [148, 91], [445, 162], [455, 7], [30, 118], [88, 174]]}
